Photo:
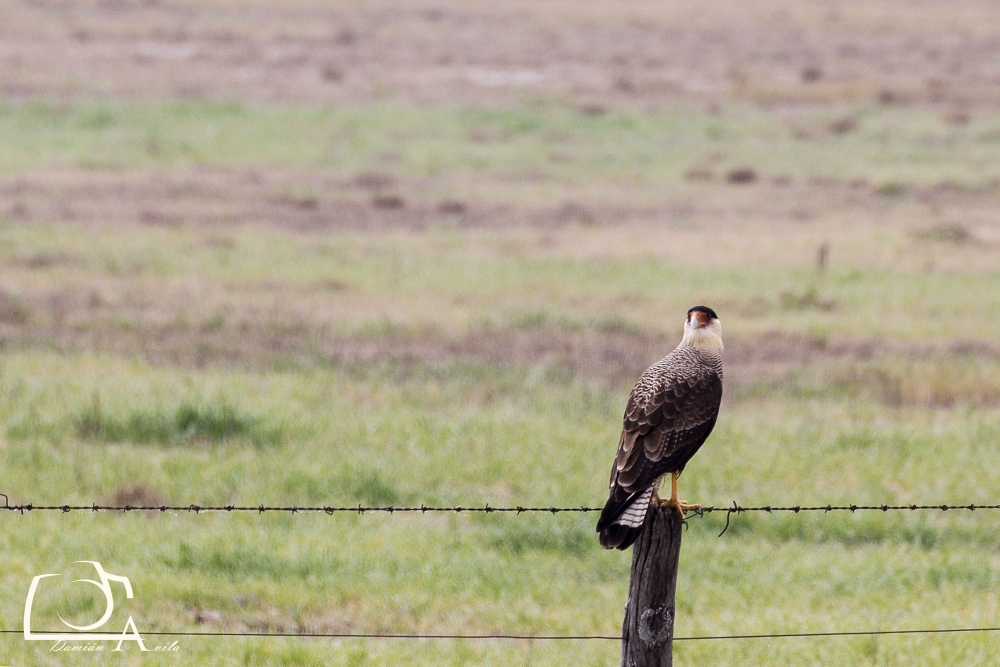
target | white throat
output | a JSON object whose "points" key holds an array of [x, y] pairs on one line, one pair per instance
{"points": [[707, 339]]}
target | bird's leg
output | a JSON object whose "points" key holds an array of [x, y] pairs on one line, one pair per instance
{"points": [[674, 501], [680, 503]]}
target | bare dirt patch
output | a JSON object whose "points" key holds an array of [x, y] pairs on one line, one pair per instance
{"points": [[206, 197], [773, 362], [599, 54], [220, 196]]}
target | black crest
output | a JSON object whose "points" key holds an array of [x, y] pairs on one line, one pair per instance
{"points": [[704, 309]]}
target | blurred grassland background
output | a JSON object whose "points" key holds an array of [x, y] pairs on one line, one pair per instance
{"points": [[341, 253]]}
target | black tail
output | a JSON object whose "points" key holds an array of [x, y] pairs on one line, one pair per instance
{"points": [[615, 535]]}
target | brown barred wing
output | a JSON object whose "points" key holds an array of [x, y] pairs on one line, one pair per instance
{"points": [[661, 434], [662, 430]]}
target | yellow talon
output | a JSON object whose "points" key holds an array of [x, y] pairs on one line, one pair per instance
{"points": [[674, 502]]}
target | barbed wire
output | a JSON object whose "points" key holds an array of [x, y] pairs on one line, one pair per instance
{"points": [[262, 508], [735, 508], [395, 635]]}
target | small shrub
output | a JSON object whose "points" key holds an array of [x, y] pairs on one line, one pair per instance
{"points": [[892, 189], [369, 487], [844, 125], [214, 422], [947, 234], [807, 300], [388, 202], [452, 207], [812, 74], [135, 496], [517, 539], [742, 176], [14, 309]]}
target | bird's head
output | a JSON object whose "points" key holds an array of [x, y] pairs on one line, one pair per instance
{"points": [[703, 330]]}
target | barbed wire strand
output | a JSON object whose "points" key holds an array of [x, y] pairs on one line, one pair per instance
{"points": [[390, 509], [261, 508], [376, 635]]}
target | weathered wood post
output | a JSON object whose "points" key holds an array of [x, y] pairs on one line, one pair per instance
{"points": [[648, 630]]}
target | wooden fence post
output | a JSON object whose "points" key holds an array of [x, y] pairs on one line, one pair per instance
{"points": [[648, 630]]}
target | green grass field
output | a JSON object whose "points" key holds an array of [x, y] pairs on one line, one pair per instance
{"points": [[471, 435], [448, 364], [490, 151]]}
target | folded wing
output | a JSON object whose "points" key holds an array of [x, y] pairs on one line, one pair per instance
{"points": [[668, 417]]}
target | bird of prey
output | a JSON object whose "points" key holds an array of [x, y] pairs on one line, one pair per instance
{"points": [[670, 413]]}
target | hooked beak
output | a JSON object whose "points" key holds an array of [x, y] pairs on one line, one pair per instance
{"points": [[697, 320]]}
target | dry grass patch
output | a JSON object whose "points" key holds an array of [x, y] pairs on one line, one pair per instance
{"points": [[135, 495]]}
